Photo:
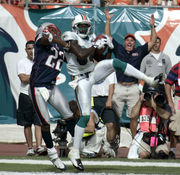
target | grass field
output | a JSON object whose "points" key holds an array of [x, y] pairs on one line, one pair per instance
{"points": [[41, 165]]}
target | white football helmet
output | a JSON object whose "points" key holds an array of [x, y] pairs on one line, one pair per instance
{"points": [[48, 27], [83, 32]]}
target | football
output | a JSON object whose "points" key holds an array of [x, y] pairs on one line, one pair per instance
{"points": [[99, 37]]}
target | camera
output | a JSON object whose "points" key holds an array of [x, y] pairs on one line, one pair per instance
{"points": [[150, 92], [148, 95], [61, 134], [160, 99]]}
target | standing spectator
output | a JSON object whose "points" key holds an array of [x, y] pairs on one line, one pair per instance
{"points": [[26, 115], [126, 90], [173, 80], [156, 62]]}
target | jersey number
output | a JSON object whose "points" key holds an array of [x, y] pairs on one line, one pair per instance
{"points": [[52, 60]]}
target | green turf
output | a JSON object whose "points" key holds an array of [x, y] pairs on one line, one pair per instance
{"points": [[97, 169], [88, 168]]}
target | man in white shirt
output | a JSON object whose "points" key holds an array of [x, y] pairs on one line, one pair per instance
{"points": [[26, 115], [156, 62]]}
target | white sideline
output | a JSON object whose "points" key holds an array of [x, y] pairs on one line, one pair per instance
{"points": [[102, 163], [62, 173]]}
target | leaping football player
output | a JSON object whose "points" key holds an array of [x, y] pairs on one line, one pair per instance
{"points": [[48, 59]]}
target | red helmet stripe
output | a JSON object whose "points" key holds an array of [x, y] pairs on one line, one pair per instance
{"points": [[84, 17]]}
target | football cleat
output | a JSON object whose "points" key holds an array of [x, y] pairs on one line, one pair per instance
{"points": [[153, 81], [158, 78], [74, 157], [52, 153]]}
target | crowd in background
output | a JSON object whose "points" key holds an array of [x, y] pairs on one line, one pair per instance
{"points": [[99, 3]]}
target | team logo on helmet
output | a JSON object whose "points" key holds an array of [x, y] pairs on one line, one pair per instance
{"points": [[81, 25]]}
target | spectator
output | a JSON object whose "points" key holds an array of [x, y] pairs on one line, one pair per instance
{"points": [[126, 90], [71, 1], [26, 115], [141, 2], [156, 62], [167, 2], [152, 117], [119, 2], [173, 80], [3, 2], [23, 3]]}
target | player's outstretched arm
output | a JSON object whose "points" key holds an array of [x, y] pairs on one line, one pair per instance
{"points": [[47, 39], [81, 53]]}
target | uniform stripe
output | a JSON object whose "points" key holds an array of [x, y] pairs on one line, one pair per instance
{"points": [[84, 17]]}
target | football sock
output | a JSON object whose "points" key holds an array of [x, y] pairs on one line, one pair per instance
{"points": [[78, 134], [132, 71], [46, 135], [119, 65], [71, 125], [129, 70], [83, 121]]}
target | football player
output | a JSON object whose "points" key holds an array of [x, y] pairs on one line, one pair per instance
{"points": [[48, 59], [84, 73]]}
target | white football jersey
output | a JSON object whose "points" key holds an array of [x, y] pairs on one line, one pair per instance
{"points": [[73, 67]]}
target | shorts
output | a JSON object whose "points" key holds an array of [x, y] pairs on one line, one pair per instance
{"points": [[128, 95], [107, 115], [175, 118], [25, 114]]}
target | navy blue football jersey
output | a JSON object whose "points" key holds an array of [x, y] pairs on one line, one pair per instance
{"points": [[47, 64]]}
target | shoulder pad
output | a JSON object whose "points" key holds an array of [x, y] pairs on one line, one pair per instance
{"points": [[67, 36]]}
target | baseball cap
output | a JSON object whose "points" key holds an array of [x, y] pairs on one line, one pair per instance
{"points": [[130, 35]]}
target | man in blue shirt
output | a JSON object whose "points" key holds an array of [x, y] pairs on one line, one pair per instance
{"points": [[126, 90]]}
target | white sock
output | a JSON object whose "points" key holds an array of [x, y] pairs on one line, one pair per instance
{"points": [[132, 71], [78, 135]]}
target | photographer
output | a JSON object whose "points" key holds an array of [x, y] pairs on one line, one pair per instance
{"points": [[153, 112]]}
